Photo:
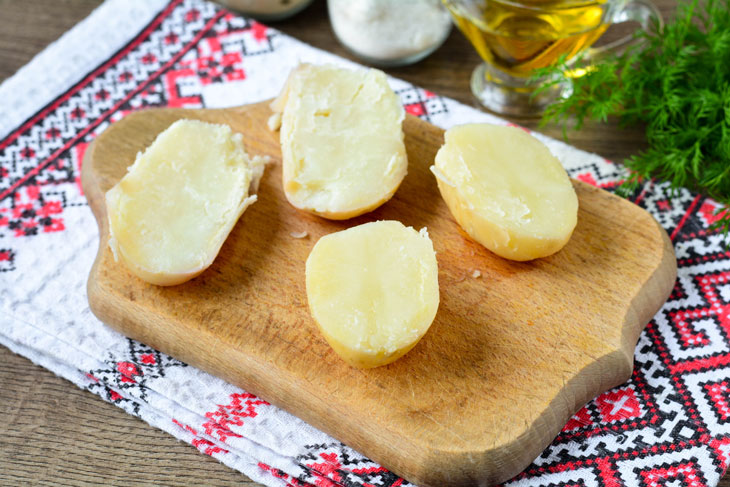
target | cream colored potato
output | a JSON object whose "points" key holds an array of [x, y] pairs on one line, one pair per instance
{"points": [[506, 190], [373, 290], [341, 140], [171, 212]]}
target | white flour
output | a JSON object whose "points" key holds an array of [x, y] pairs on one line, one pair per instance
{"points": [[389, 30]]}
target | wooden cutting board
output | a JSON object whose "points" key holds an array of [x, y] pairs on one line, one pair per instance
{"points": [[511, 355]]}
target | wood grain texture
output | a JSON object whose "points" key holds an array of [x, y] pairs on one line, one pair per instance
{"points": [[508, 359], [26, 26]]}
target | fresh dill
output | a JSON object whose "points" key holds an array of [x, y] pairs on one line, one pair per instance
{"points": [[676, 82]]}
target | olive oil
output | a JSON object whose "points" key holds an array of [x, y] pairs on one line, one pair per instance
{"points": [[517, 38]]}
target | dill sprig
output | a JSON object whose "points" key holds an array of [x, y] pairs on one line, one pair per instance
{"points": [[676, 82]]}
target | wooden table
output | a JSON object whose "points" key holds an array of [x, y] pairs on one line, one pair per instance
{"points": [[57, 434]]}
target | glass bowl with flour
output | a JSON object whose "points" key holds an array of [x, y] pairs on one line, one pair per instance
{"points": [[390, 33]]}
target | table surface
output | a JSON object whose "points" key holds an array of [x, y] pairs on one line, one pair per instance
{"points": [[57, 434]]}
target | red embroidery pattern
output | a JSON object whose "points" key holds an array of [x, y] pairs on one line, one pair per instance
{"points": [[139, 364], [205, 446], [334, 465], [30, 212], [280, 474], [241, 406]]}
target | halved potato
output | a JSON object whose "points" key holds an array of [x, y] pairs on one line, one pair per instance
{"points": [[373, 290], [506, 190], [172, 211], [341, 140]]}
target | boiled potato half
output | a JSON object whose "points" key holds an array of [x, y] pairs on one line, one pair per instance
{"points": [[506, 190], [341, 140], [172, 211], [373, 290]]}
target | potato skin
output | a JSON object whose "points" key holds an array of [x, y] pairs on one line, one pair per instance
{"points": [[361, 359], [338, 215], [159, 278], [495, 238]]}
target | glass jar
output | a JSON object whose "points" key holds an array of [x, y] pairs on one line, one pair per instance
{"points": [[267, 10], [390, 33]]}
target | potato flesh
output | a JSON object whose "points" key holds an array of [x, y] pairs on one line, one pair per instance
{"points": [[169, 215], [506, 190], [341, 140], [373, 290]]}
